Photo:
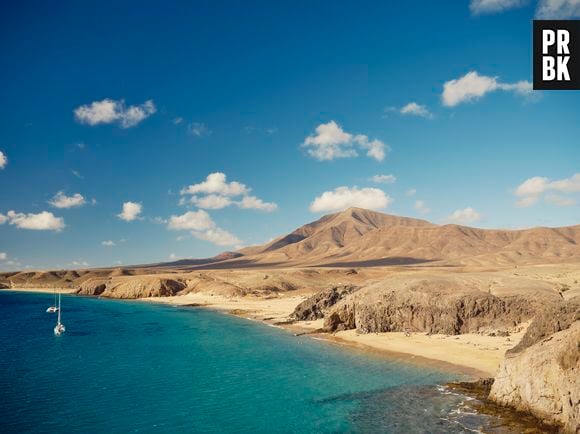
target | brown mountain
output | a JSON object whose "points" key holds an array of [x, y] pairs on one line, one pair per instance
{"points": [[359, 237]]}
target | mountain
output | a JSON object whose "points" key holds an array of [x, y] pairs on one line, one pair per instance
{"points": [[360, 237]]}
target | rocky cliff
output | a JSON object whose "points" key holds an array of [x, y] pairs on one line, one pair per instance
{"points": [[428, 306], [544, 379]]}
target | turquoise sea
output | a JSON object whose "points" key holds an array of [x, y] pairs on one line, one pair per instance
{"points": [[138, 367]]}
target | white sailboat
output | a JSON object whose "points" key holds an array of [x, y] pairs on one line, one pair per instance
{"points": [[53, 308], [59, 328]]}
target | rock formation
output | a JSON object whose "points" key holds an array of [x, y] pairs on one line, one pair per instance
{"points": [[315, 307], [427, 306], [544, 379]]}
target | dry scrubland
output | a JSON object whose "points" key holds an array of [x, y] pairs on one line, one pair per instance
{"points": [[450, 294]]}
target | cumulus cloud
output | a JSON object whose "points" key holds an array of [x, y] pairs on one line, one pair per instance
{"points": [[478, 7], [218, 237], [384, 179], [217, 193], [131, 211], [108, 243], [345, 197], [191, 220], [411, 192], [61, 200], [3, 256], [414, 109], [43, 221], [3, 160], [252, 202], [466, 215], [558, 9], [421, 207], [212, 201], [109, 111], [473, 86], [203, 227], [330, 142], [216, 183], [532, 189]]}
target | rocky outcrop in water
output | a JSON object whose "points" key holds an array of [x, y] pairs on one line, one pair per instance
{"points": [[315, 307], [427, 307], [544, 379]]}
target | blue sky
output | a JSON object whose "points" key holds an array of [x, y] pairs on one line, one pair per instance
{"points": [[301, 104]]}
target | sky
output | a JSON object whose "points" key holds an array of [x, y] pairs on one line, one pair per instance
{"points": [[171, 130]]}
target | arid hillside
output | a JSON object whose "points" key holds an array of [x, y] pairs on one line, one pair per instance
{"points": [[358, 238]]}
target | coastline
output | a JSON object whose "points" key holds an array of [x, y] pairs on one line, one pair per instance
{"points": [[472, 355]]}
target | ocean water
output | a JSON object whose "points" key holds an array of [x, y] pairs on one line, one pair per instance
{"points": [[137, 367]]}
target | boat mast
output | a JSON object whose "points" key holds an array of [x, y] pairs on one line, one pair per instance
{"points": [[58, 321]]}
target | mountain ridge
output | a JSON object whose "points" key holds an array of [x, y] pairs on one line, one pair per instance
{"points": [[360, 235]]}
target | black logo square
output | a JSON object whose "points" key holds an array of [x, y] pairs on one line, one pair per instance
{"points": [[556, 54]]}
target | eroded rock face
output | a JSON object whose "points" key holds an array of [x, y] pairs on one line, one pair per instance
{"points": [[134, 287], [544, 379], [315, 307], [554, 318], [429, 309]]}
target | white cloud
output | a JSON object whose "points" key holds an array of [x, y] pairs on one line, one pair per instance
{"points": [[478, 7], [3, 219], [466, 215], [109, 111], [61, 200], [331, 142], [177, 120], [3, 160], [384, 179], [345, 197], [252, 202], [80, 263], [473, 86], [421, 207], [411, 192], [212, 201], [216, 183], [131, 211], [43, 221], [218, 237], [191, 220], [3, 256], [415, 109], [533, 188], [558, 9], [219, 194], [203, 227], [108, 243], [198, 129], [76, 173], [527, 201]]}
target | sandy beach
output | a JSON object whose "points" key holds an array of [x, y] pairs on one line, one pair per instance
{"points": [[472, 354]]}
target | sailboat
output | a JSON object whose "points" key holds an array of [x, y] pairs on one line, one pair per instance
{"points": [[59, 328], [53, 308]]}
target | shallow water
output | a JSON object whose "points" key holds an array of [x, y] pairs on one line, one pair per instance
{"points": [[139, 367]]}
